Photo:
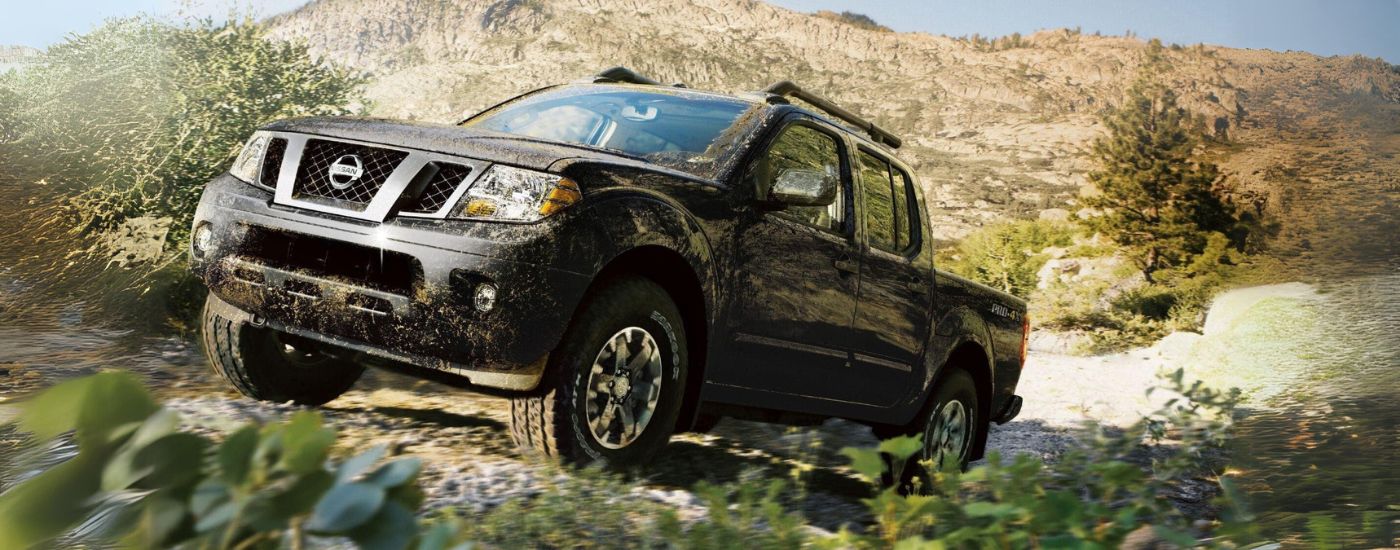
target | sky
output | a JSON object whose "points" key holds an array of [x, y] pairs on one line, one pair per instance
{"points": [[1335, 27]]}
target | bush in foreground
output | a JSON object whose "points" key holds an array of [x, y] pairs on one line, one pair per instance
{"points": [[138, 481]]}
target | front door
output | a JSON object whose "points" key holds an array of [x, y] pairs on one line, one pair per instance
{"points": [[796, 276]]}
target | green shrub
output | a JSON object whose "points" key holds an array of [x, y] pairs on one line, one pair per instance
{"points": [[1006, 256], [129, 122], [588, 509]]}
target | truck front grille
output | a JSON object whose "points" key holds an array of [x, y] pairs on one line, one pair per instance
{"points": [[314, 177]]}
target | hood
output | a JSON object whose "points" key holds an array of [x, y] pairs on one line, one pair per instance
{"points": [[445, 139]]}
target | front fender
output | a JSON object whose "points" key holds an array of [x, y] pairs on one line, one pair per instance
{"points": [[636, 219]]}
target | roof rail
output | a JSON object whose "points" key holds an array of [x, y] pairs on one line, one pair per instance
{"points": [[628, 76], [787, 88]]}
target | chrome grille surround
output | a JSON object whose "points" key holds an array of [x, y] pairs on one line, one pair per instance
{"points": [[389, 172]]}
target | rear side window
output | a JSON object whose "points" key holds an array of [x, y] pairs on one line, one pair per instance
{"points": [[891, 221], [880, 223], [906, 216], [801, 147]]}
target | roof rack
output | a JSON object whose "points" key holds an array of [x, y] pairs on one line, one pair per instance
{"points": [[787, 88], [628, 76]]}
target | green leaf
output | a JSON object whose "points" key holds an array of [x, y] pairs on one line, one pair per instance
{"points": [[93, 405], [866, 462], [173, 460], [303, 494], [45, 505], [359, 463], [395, 473], [305, 442], [236, 454], [207, 495], [393, 528], [991, 509], [160, 517], [902, 447], [217, 516], [345, 507], [121, 470]]}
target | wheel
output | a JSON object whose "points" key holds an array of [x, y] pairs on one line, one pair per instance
{"points": [[613, 388], [268, 365], [949, 424]]}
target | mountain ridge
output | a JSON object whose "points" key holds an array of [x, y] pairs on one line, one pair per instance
{"points": [[995, 128]]}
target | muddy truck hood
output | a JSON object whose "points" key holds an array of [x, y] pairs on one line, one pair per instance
{"points": [[445, 139]]}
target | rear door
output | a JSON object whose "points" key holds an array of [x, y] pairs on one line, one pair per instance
{"points": [[895, 296], [797, 272]]}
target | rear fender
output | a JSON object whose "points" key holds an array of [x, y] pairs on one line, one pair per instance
{"points": [[957, 328]]}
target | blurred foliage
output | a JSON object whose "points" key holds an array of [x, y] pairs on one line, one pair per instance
{"points": [[750, 514], [1095, 497], [1007, 256], [130, 121], [590, 508], [137, 481]]}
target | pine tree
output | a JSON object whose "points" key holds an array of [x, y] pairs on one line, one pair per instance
{"points": [[1156, 198]]}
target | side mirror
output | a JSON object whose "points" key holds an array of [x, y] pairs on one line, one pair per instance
{"points": [[803, 188]]}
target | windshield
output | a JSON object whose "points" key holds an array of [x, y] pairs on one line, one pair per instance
{"points": [[674, 128]]}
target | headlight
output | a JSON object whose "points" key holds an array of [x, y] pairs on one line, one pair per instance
{"points": [[504, 193], [250, 160]]}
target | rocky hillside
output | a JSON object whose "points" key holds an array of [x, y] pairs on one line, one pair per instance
{"points": [[995, 129]]}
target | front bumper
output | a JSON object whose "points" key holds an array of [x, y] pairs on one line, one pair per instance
{"points": [[400, 290]]}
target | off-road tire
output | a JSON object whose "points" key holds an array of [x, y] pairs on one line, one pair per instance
{"points": [[956, 386], [552, 420], [251, 359]]}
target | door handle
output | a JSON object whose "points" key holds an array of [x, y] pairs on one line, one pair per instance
{"points": [[915, 285], [844, 264]]}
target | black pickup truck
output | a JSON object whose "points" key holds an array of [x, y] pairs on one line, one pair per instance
{"points": [[622, 259]]}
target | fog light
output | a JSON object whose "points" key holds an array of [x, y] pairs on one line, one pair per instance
{"points": [[203, 238], [485, 297]]}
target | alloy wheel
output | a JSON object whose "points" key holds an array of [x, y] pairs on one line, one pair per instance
{"points": [[624, 385]]}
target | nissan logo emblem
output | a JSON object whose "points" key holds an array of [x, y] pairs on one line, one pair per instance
{"points": [[345, 171]]}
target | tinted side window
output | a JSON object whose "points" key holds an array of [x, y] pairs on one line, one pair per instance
{"points": [[880, 220], [806, 148]]}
